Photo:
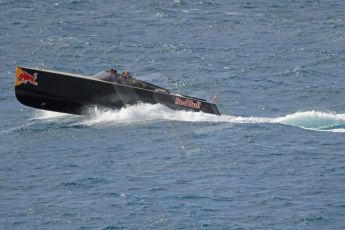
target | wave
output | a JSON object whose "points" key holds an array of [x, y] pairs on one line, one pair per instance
{"points": [[315, 120], [142, 113]]}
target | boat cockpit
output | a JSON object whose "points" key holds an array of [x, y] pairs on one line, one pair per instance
{"points": [[114, 77]]}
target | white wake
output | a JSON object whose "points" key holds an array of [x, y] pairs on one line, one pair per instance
{"points": [[141, 113]]}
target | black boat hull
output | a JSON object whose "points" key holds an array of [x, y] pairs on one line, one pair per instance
{"points": [[70, 93]]}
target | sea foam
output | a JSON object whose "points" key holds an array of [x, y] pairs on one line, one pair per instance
{"points": [[313, 120]]}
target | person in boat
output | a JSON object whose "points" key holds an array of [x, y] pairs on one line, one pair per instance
{"points": [[113, 71], [126, 78], [126, 75], [114, 76]]}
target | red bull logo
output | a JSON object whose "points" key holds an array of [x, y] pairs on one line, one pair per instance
{"points": [[188, 103], [24, 77]]}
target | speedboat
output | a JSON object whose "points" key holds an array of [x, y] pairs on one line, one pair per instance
{"points": [[74, 93]]}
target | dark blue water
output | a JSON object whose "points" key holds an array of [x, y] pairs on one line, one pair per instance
{"points": [[274, 160]]}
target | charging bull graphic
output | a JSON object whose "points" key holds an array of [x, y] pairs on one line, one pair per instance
{"points": [[24, 78]]}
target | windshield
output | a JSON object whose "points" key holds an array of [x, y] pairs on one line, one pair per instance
{"points": [[102, 75]]}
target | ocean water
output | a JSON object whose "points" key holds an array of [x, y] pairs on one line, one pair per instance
{"points": [[275, 159]]}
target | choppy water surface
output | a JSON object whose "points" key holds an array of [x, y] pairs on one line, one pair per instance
{"points": [[275, 159]]}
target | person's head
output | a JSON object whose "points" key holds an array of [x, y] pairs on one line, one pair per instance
{"points": [[125, 74]]}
